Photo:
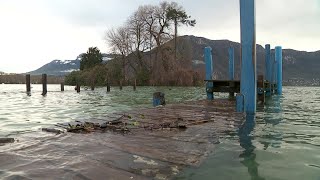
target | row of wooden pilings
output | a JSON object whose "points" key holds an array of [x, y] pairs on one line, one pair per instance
{"points": [[77, 88]]}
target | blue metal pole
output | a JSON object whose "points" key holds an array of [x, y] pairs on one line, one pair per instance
{"points": [[231, 63], [209, 71], [268, 69], [248, 55], [278, 55], [274, 69], [240, 103]]}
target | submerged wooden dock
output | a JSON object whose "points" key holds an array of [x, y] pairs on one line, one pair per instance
{"points": [[150, 143]]}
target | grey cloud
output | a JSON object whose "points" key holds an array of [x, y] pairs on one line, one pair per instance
{"points": [[92, 12]]}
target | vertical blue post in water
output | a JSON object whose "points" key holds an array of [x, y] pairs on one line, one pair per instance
{"points": [[268, 69], [278, 55], [274, 70], [209, 71], [231, 63], [248, 55], [239, 103]]}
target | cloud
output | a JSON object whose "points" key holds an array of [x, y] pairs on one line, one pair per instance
{"points": [[35, 32]]}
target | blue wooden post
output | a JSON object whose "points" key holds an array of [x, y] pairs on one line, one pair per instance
{"points": [[240, 102], [278, 55], [268, 69], [209, 71], [231, 63], [248, 55], [274, 69]]}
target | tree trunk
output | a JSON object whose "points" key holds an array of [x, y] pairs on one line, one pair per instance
{"points": [[175, 38], [124, 67]]}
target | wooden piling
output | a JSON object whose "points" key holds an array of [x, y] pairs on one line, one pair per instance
{"points": [[232, 85], [78, 88], [62, 86], [209, 71], [240, 103], [268, 70], [260, 89], [92, 84], [248, 54], [278, 57], [44, 84], [108, 85], [120, 85], [28, 83], [135, 85]]}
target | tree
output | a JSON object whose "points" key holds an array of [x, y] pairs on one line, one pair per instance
{"points": [[149, 28], [90, 59], [179, 16], [118, 40]]}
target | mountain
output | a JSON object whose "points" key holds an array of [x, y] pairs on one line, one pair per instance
{"points": [[63, 67], [58, 67], [299, 67]]}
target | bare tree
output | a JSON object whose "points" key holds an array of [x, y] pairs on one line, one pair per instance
{"points": [[138, 37], [118, 40], [178, 15], [149, 28]]}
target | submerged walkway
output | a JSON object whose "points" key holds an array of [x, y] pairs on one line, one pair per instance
{"points": [[151, 143]]}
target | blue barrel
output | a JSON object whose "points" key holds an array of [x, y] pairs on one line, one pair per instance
{"points": [[158, 99]]}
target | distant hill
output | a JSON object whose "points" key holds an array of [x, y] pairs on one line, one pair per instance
{"points": [[58, 68], [299, 67], [63, 67]]}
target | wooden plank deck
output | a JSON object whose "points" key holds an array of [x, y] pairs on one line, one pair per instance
{"points": [[231, 86]]}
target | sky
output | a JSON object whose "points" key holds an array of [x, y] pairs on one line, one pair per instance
{"points": [[35, 32]]}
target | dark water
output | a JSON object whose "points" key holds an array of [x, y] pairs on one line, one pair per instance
{"points": [[281, 142]]}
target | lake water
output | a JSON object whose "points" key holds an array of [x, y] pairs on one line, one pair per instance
{"points": [[281, 142]]}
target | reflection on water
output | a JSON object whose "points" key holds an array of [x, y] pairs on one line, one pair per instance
{"points": [[281, 141], [246, 136], [248, 155]]}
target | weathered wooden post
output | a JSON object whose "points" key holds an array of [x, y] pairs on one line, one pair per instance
{"points": [[28, 83], [62, 86], [78, 87], [248, 55], [268, 69], [92, 85], [44, 84], [120, 85], [209, 71], [278, 55], [231, 69], [108, 85], [158, 99], [135, 85], [260, 90]]}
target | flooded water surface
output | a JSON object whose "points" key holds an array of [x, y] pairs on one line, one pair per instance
{"points": [[281, 142]]}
